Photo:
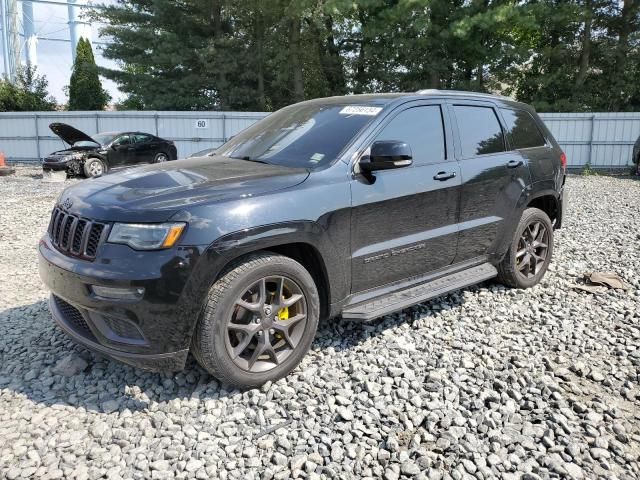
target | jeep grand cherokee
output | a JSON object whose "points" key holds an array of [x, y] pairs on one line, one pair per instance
{"points": [[355, 206]]}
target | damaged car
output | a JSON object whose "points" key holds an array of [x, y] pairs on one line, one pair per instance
{"points": [[92, 156]]}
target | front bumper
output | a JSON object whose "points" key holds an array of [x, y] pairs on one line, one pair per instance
{"points": [[153, 332], [54, 166], [172, 361]]}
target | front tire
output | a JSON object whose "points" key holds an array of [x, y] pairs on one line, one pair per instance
{"points": [[161, 158], [259, 320], [94, 167], [530, 251]]}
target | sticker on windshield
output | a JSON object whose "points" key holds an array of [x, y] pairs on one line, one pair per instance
{"points": [[316, 157], [360, 110]]}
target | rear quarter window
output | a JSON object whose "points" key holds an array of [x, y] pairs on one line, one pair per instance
{"points": [[522, 129]]}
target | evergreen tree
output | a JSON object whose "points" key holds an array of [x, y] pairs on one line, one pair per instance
{"points": [[85, 88], [559, 55]]}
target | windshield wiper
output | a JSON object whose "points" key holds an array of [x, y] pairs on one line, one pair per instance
{"points": [[249, 159]]}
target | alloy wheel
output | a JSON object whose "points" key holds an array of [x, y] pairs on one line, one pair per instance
{"points": [[161, 158], [95, 168], [533, 248], [266, 324]]}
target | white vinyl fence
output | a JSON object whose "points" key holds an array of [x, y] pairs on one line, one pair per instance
{"points": [[604, 140], [25, 136]]}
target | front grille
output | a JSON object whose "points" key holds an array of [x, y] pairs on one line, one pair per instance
{"points": [[72, 316], [94, 239], [74, 235]]}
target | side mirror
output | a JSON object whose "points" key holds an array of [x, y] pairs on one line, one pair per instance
{"points": [[385, 155]]}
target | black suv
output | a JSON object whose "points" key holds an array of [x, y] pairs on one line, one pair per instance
{"points": [[355, 206]]}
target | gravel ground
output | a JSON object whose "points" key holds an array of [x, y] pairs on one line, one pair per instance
{"points": [[484, 383]]}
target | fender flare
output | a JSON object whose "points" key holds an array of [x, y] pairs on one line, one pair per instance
{"points": [[229, 247]]}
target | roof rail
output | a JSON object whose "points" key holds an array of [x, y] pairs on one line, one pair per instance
{"points": [[429, 91]]}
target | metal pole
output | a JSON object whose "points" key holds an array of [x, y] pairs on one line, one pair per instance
{"points": [[155, 118], [97, 123], [13, 37], [224, 128], [35, 121], [9, 32], [5, 40], [593, 119]]}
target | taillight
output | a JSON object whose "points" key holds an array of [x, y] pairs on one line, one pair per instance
{"points": [[563, 160]]}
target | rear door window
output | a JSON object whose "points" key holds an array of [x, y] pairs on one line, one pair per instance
{"points": [[523, 129], [480, 130], [141, 138], [422, 129]]}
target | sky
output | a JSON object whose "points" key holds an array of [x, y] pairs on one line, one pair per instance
{"points": [[54, 57]]}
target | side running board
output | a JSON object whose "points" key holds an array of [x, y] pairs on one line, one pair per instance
{"points": [[379, 306]]}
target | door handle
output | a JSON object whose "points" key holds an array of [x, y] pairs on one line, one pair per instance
{"points": [[442, 176], [514, 163]]}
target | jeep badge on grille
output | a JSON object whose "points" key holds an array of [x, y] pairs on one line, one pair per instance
{"points": [[67, 204]]}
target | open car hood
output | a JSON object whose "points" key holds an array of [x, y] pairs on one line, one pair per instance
{"points": [[70, 134]]}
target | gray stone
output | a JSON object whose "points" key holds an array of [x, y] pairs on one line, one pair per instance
{"points": [[193, 465], [574, 471], [70, 366], [161, 465], [409, 468], [345, 413], [278, 459]]}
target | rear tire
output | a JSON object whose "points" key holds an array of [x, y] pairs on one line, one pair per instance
{"points": [[94, 167], [530, 251], [246, 336]]}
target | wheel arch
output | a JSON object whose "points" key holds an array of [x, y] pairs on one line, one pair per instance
{"points": [[304, 242], [305, 254], [549, 203], [543, 197]]}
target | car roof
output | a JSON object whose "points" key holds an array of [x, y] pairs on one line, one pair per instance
{"points": [[113, 134], [384, 99]]}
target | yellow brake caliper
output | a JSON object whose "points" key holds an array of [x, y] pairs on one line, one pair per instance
{"points": [[283, 314]]}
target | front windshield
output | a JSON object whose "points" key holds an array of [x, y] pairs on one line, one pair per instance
{"points": [[100, 139], [307, 135]]}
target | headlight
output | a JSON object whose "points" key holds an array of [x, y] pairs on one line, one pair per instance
{"points": [[146, 236]]}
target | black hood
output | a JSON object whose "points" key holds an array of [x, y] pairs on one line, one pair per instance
{"points": [[155, 192], [70, 134]]}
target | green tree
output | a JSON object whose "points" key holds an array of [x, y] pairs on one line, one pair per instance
{"points": [[559, 55], [27, 93], [85, 88]]}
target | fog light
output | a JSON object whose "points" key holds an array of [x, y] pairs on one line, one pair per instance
{"points": [[116, 293]]}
